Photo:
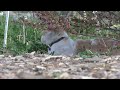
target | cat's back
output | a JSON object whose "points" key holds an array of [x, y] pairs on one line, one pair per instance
{"points": [[64, 47]]}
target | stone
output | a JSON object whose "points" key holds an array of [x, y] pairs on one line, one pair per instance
{"points": [[40, 68], [65, 76]]}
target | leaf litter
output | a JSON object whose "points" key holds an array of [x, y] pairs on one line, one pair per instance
{"points": [[43, 66]]}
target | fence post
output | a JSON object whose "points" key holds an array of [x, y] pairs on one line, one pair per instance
{"points": [[6, 29]]}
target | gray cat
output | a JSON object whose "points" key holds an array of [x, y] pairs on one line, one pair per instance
{"points": [[59, 43]]}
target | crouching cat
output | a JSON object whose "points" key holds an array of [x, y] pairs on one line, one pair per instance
{"points": [[61, 44]]}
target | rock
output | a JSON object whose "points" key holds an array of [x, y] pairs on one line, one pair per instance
{"points": [[53, 58], [78, 59], [10, 76], [28, 55], [13, 58], [31, 63], [18, 63], [93, 60], [100, 74], [65, 76], [40, 68], [1, 56], [61, 64], [86, 77], [36, 58], [32, 53], [1, 65], [24, 75], [72, 68], [18, 58], [56, 71], [9, 56], [11, 67], [21, 65]]}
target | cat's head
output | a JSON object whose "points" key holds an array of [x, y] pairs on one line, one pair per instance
{"points": [[49, 36]]}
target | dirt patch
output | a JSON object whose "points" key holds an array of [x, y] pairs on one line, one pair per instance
{"points": [[38, 66]]}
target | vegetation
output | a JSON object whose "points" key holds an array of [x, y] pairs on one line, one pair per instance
{"points": [[15, 38], [24, 36], [18, 44]]}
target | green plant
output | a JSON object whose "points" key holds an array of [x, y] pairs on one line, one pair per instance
{"points": [[15, 43], [38, 47], [87, 54]]}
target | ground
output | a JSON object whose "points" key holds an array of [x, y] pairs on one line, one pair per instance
{"points": [[42, 66]]}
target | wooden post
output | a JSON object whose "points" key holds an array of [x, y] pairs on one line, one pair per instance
{"points": [[24, 33], [6, 29]]}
